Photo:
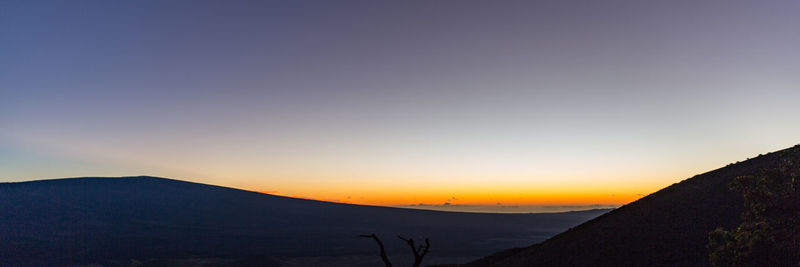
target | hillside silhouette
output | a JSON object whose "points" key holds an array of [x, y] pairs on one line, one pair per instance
{"points": [[157, 221], [667, 228]]}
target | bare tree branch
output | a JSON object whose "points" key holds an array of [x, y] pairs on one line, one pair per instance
{"points": [[419, 252], [427, 248], [383, 250]]}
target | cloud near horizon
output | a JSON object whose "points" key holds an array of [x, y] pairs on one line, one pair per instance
{"points": [[500, 207]]}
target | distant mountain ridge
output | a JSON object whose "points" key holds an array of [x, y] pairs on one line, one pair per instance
{"points": [[129, 220], [667, 228]]}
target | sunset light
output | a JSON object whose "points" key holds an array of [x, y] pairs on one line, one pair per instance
{"points": [[371, 133]]}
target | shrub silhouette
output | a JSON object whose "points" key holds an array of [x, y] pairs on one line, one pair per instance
{"points": [[769, 234]]}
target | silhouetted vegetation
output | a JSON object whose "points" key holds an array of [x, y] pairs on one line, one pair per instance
{"points": [[385, 258], [418, 251], [667, 228], [769, 234]]}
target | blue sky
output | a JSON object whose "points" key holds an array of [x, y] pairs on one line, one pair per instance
{"points": [[310, 98]]}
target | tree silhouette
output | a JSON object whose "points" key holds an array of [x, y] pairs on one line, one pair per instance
{"points": [[383, 250], [769, 234], [418, 251]]}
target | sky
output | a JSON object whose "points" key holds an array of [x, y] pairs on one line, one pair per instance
{"points": [[478, 105]]}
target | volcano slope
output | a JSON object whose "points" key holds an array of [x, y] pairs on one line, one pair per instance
{"points": [[667, 228], [133, 220]]}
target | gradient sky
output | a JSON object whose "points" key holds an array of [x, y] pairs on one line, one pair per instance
{"points": [[472, 103]]}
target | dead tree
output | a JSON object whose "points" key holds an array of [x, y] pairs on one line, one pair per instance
{"points": [[419, 251], [383, 250]]}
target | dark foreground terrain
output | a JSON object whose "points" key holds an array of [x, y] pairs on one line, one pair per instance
{"points": [[156, 221], [667, 228]]}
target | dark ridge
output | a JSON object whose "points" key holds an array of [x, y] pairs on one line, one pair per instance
{"points": [[667, 228], [170, 222]]}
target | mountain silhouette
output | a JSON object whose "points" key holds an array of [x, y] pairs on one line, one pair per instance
{"points": [[667, 228], [158, 221]]}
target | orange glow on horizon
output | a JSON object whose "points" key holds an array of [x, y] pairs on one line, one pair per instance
{"points": [[488, 198], [573, 188]]}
